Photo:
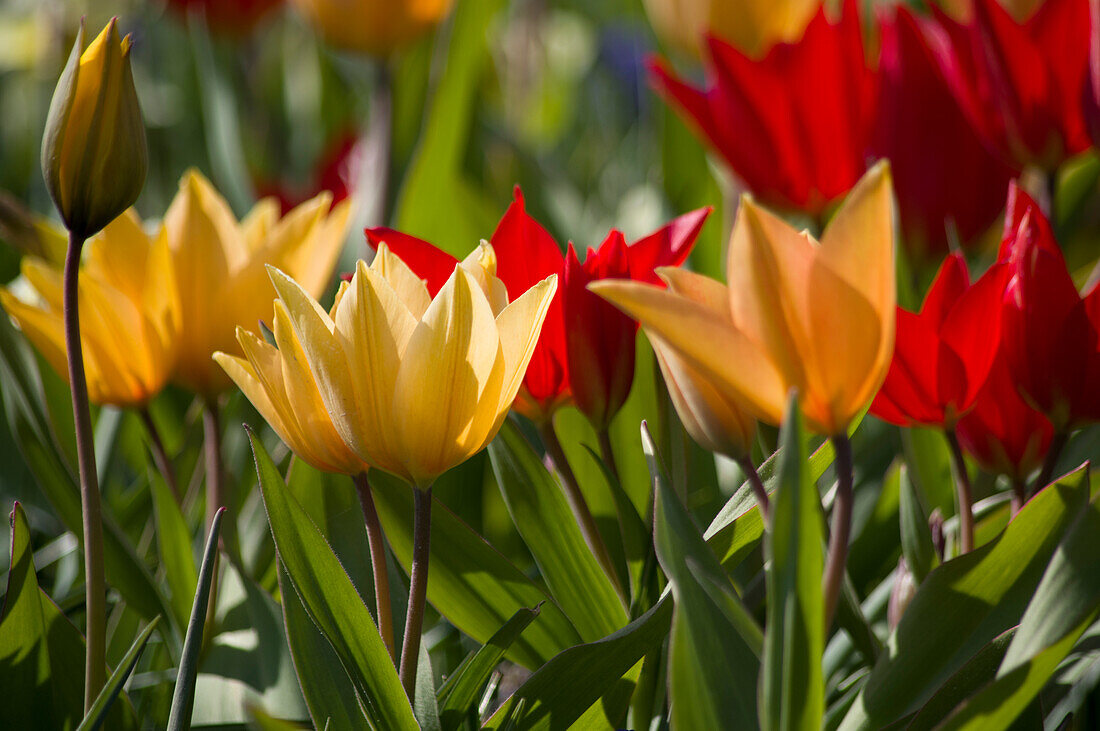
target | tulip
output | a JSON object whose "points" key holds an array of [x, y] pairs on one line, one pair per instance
{"points": [[1091, 101], [233, 17], [335, 172], [129, 314], [943, 354], [796, 314], [93, 152], [219, 266], [1052, 334], [945, 178], [753, 26], [377, 27], [793, 126], [1021, 82], [414, 384]]}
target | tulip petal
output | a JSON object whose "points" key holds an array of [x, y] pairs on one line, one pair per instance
{"points": [[432, 264], [706, 340], [519, 325], [409, 288]]}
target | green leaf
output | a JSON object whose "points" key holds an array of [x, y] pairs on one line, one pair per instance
{"points": [[983, 593], [471, 583], [331, 601], [969, 679], [544, 520], [929, 460], [792, 682], [183, 698], [329, 691], [714, 653], [425, 706], [174, 541], [97, 714], [916, 536], [458, 695], [565, 689]]}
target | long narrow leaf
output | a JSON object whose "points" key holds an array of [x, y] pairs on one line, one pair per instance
{"points": [[97, 714]]}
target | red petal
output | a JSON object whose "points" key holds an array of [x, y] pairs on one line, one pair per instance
{"points": [[430, 263], [667, 246], [952, 280]]}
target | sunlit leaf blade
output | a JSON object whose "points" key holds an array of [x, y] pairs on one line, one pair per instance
{"points": [[715, 647], [792, 686], [330, 600], [97, 714], [544, 520], [183, 698]]}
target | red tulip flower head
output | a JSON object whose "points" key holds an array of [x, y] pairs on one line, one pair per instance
{"points": [[795, 125], [942, 355], [335, 172], [1021, 82], [581, 334], [1052, 334], [1001, 432], [944, 176]]}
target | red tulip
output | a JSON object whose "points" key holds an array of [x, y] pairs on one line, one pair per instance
{"points": [[1051, 332], [334, 172], [944, 177], [1021, 82], [795, 125], [1091, 96], [228, 16], [582, 333], [942, 355]]}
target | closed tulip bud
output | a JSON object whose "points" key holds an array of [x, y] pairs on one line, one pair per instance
{"points": [[93, 153]]}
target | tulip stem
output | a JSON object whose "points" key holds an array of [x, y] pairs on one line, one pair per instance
{"points": [[1057, 444], [95, 586], [965, 497], [1019, 495], [757, 486], [160, 455], [608, 453], [577, 503], [376, 540], [418, 589], [841, 528]]}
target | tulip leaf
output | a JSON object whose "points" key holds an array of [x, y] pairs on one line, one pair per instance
{"points": [[97, 714], [565, 688], [544, 520], [329, 691], [33, 431], [174, 541], [469, 582], [459, 693], [331, 601], [792, 682], [984, 593], [916, 536], [714, 651]]}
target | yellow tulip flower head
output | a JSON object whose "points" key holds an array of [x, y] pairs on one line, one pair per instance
{"points": [[416, 385], [816, 317], [377, 27], [220, 268], [129, 313], [754, 26], [94, 157]]}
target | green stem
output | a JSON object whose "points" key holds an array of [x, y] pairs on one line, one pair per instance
{"points": [[577, 503], [1019, 494], [160, 454], [95, 586], [840, 532], [757, 486], [608, 453], [418, 589], [965, 496], [1057, 444], [376, 540]]}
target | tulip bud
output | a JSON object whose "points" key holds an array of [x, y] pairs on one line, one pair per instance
{"points": [[93, 152], [905, 588]]}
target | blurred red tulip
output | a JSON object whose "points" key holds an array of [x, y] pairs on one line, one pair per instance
{"points": [[795, 125], [334, 172], [943, 354], [944, 177], [236, 17], [1001, 432], [581, 332], [1021, 82], [1091, 96], [1050, 331]]}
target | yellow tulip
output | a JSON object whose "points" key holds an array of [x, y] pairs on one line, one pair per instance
{"points": [[129, 313], [963, 10], [816, 317], [93, 152], [754, 26], [416, 386], [378, 27], [220, 268]]}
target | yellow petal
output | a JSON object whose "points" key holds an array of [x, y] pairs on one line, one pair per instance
{"points": [[452, 360], [409, 288], [481, 263], [707, 340], [258, 223], [45, 330], [519, 325], [308, 240], [118, 254]]}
